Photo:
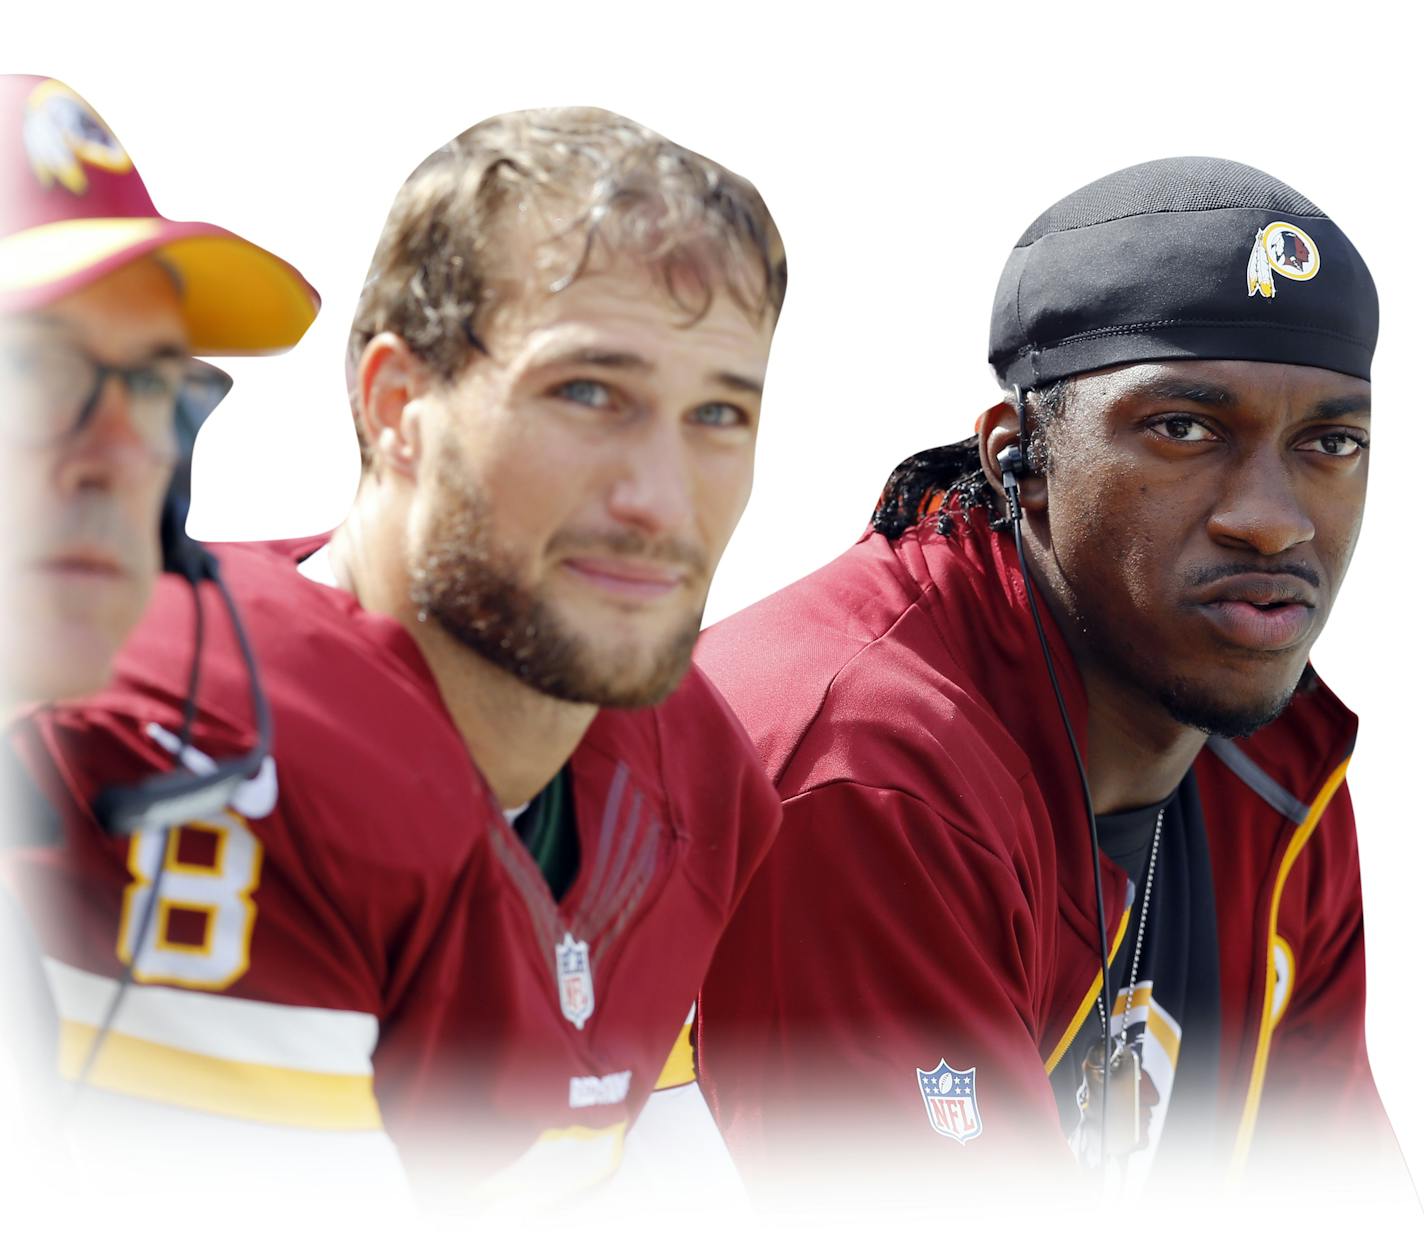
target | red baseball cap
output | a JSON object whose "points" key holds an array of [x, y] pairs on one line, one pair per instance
{"points": [[73, 208]]}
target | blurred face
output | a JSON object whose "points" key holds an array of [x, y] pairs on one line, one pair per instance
{"points": [[80, 503], [578, 484], [1202, 517]]}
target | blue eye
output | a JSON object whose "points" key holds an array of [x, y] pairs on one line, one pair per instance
{"points": [[585, 392], [718, 414]]}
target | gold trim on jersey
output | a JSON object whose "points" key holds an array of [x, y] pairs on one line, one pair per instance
{"points": [[135, 1067], [1086, 1005], [680, 1067], [1269, 1020]]}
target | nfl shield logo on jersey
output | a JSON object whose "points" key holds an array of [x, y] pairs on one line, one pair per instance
{"points": [[949, 1099], [575, 980]]}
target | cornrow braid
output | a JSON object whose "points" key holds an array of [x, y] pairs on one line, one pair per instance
{"points": [[949, 481], [926, 483]]}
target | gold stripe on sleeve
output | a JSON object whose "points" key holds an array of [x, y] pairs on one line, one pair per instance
{"points": [[135, 1067]]}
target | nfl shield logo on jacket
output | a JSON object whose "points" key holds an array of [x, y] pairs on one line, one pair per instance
{"points": [[949, 1099]]}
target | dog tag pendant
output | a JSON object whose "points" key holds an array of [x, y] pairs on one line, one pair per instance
{"points": [[1123, 1080]]}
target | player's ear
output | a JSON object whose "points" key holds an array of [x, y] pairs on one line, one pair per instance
{"points": [[389, 379], [998, 430]]}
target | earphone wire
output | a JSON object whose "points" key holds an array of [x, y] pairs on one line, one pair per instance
{"points": [[1011, 494], [150, 907], [246, 766]]}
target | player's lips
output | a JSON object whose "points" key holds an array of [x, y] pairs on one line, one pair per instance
{"points": [[627, 577], [82, 563], [1266, 613]]}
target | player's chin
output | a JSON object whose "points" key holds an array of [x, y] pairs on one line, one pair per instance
{"points": [[69, 659], [1226, 706], [609, 626], [641, 694], [632, 674]]}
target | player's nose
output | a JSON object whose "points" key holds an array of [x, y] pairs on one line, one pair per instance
{"points": [[111, 448], [1259, 507], [652, 485]]}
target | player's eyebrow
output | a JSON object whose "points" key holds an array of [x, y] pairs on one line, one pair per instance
{"points": [[606, 358], [1188, 390], [613, 359], [1356, 405], [737, 382]]}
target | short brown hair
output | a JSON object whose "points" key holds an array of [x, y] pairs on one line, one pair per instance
{"points": [[699, 227]]}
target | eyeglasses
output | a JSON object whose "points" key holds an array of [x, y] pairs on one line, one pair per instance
{"points": [[49, 390]]}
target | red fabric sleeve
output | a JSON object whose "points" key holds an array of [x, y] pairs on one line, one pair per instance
{"points": [[876, 941]]}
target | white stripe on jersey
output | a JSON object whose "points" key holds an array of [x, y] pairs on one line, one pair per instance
{"points": [[234, 1029]]}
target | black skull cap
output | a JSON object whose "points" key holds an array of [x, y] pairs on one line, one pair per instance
{"points": [[1188, 257]]}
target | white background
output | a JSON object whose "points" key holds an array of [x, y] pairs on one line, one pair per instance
{"points": [[902, 149]]}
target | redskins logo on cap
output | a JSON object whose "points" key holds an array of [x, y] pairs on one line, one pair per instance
{"points": [[63, 134], [1281, 248]]}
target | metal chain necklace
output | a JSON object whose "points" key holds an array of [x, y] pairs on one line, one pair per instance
{"points": [[1121, 1039], [1121, 1074]]}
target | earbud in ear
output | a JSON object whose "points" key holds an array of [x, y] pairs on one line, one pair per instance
{"points": [[1011, 466], [1011, 462]]}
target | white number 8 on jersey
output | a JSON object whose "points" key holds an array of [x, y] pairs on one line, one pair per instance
{"points": [[200, 933]]}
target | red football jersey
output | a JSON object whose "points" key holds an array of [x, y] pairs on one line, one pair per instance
{"points": [[361, 944]]}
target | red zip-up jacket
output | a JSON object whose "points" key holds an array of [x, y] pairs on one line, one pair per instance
{"points": [[930, 896]]}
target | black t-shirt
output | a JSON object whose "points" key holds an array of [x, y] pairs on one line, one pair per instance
{"points": [[1174, 1022]]}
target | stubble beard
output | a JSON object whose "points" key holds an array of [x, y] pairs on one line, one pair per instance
{"points": [[1212, 709], [1195, 707], [460, 580]]}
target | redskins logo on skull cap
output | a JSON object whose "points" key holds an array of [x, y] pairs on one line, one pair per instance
{"points": [[1146, 265], [1284, 249]]}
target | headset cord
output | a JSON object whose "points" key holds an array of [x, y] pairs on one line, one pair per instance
{"points": [[261, 711], [1011, 494], [190, 706], [244, 767]]}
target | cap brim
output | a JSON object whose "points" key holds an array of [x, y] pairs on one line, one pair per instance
{"points": [[237, 298]]}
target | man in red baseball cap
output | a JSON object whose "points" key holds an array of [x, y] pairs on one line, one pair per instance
{"points": [[103, 304]]}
